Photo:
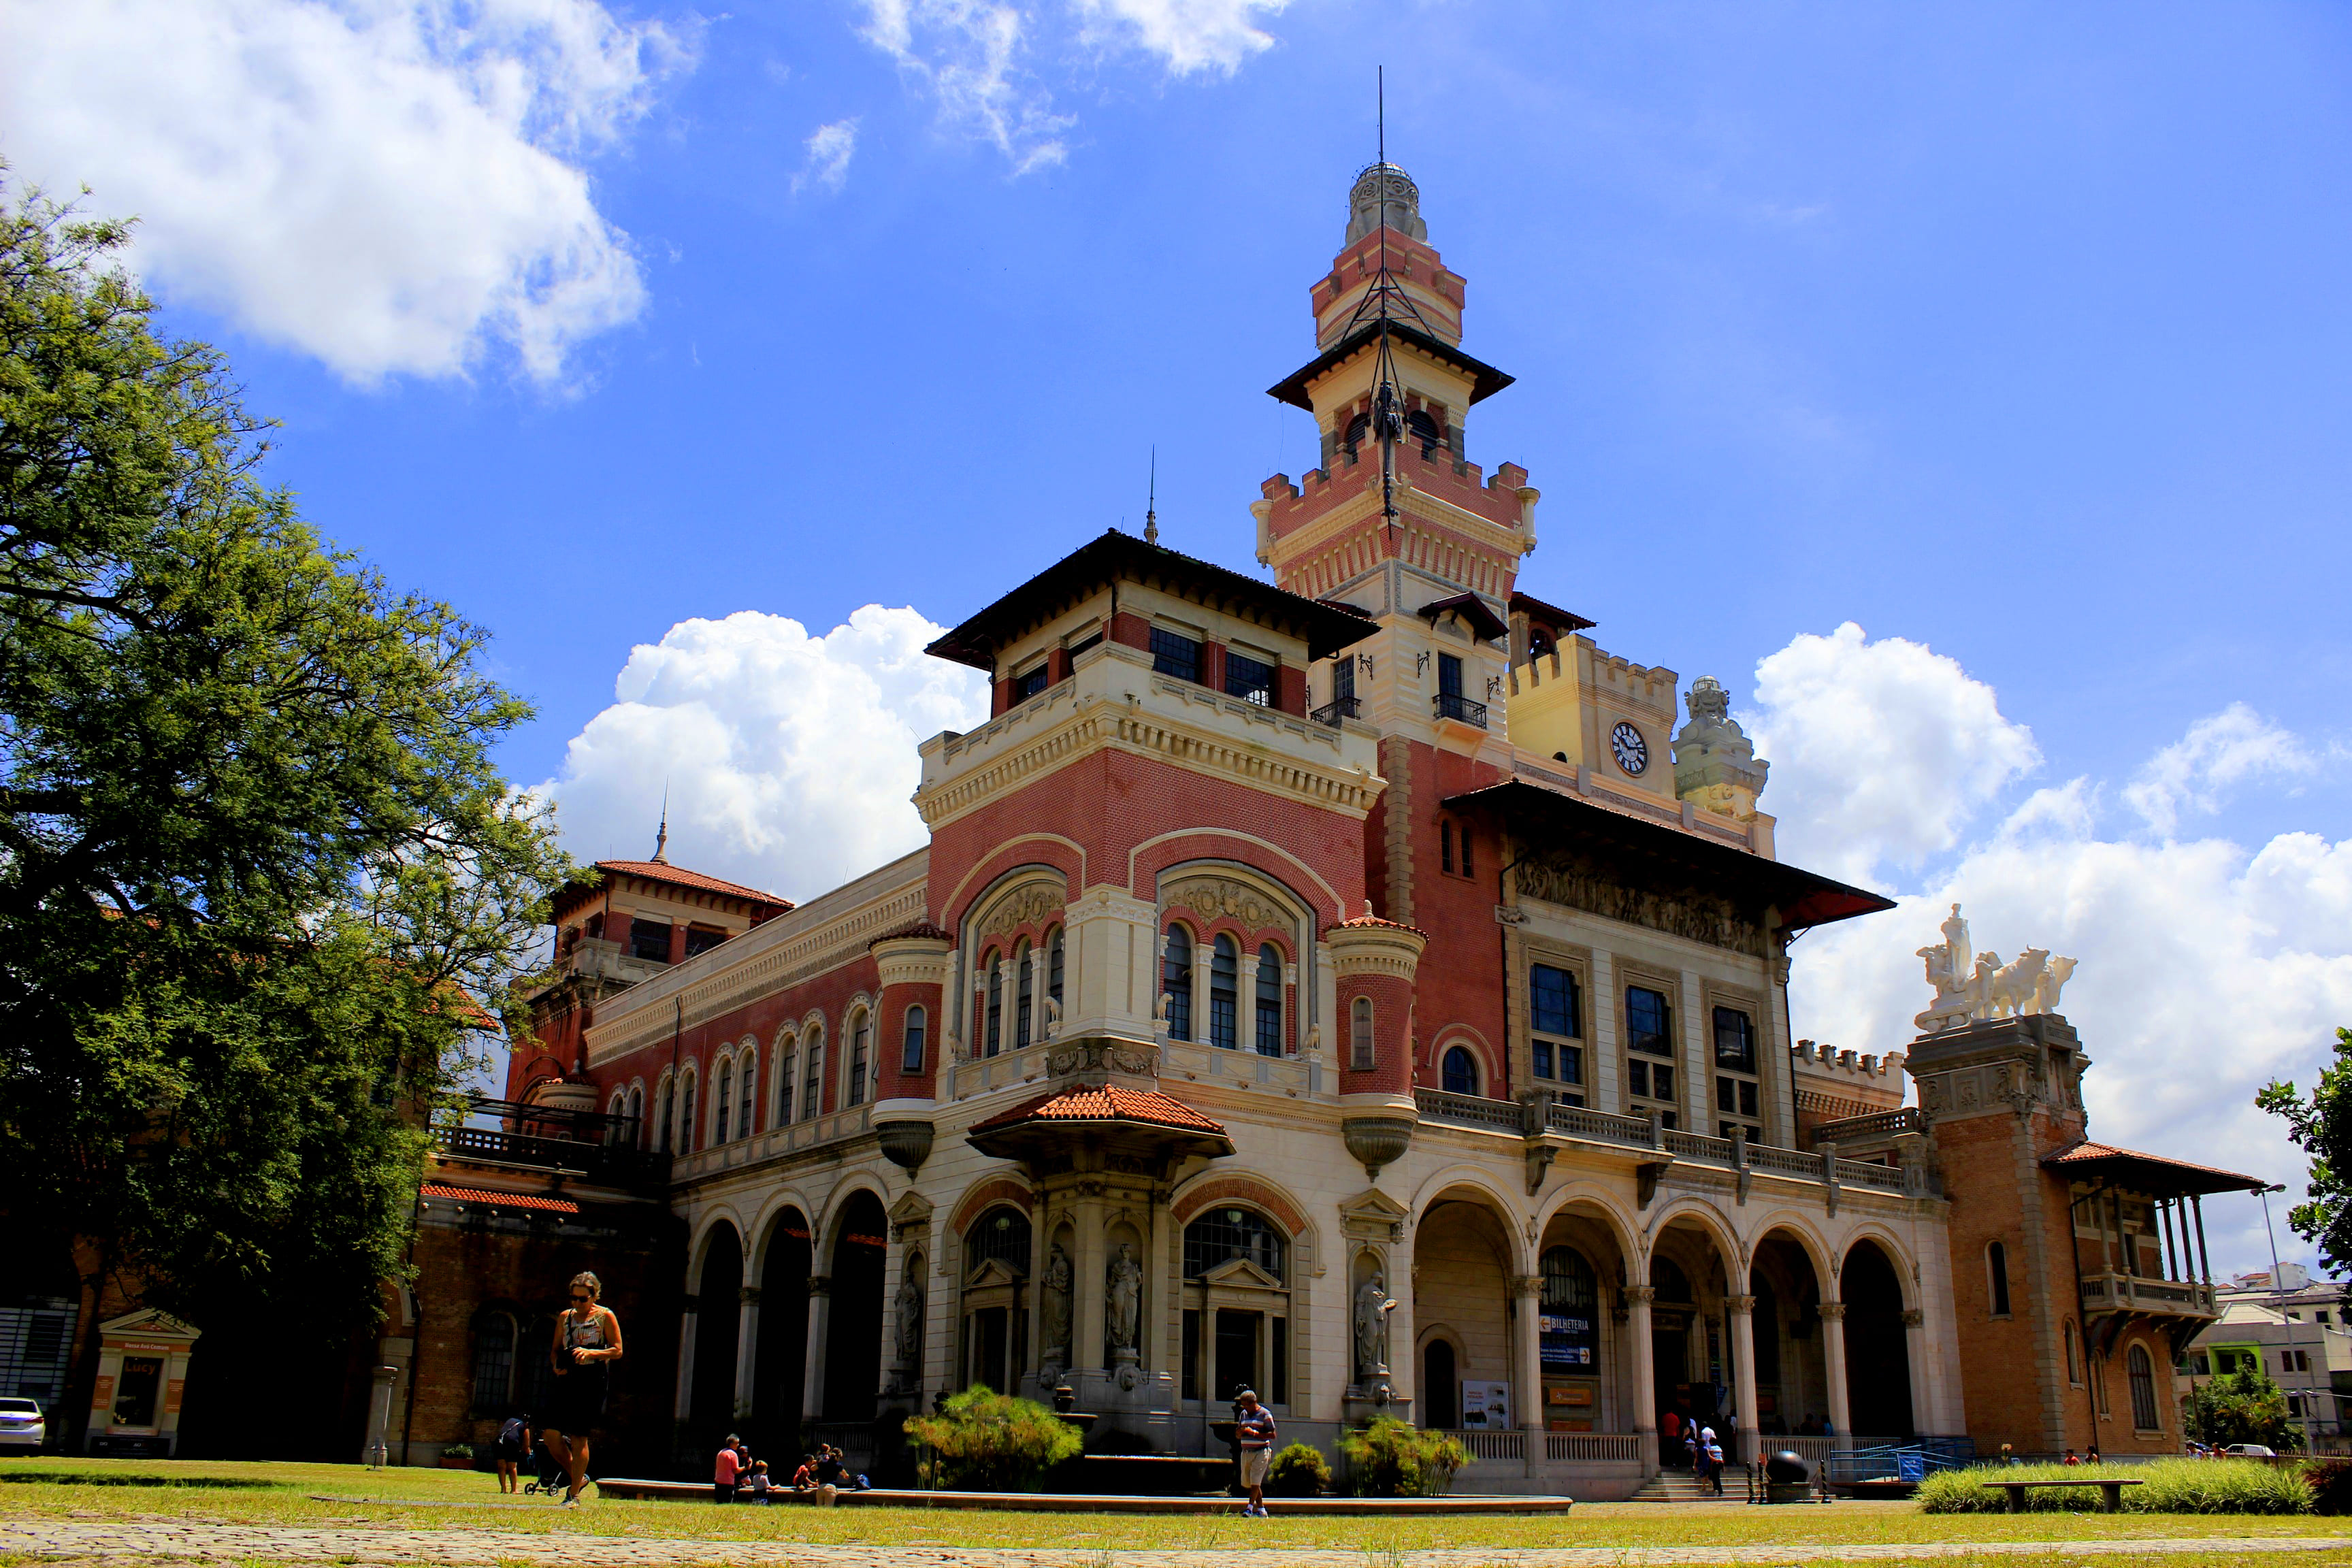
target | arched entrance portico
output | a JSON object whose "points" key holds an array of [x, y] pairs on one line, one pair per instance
{"points": [[852, 1351], [1693, 1358], [780, 1371], [1792, 1380], [1878, 1344], [718, 1295], [1463, 1272]]}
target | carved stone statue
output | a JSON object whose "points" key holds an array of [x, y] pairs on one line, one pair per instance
{"points": [[1053, 1016], [910, 1329], [1971, 986], [1053, 1346], [1160, 1004], [1124, 1315], [1373, 1305]]}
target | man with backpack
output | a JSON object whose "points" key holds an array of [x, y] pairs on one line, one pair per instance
{"points": [[514, 1446]]}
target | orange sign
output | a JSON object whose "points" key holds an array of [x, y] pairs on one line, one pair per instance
{"points": [[103, 1396], [172, 1396]]}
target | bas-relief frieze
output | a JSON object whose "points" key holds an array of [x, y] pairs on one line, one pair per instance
{"points": [[1029, 906], [1994, 1086], [1568, 881], [1215, 896]]}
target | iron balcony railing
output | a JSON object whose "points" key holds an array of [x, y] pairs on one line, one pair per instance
{"points": [[1453, 705], [1339, 708]]}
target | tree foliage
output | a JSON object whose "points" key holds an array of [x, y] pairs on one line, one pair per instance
{"points": [[2242, 1406], [261, 886], [2321, 1127], [1395, 1458], [980, 1440]]}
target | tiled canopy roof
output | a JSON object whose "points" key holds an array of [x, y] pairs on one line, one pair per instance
{"points": [[923, 929], [2153, 1172], [1109, 1103], [659, 871], [504, 1200]]}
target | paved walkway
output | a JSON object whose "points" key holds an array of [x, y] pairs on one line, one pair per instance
{"points": [[183, 1543]]}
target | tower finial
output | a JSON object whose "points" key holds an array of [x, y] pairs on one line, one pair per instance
{"points": [[661, 838], [1152, 502]]}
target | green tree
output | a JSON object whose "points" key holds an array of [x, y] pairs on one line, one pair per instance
{"points": [[2321, 1127], [2242, 1405], [980, 1440], [261, 888]]}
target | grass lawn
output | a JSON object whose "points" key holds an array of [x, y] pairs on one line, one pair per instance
{"points": [[265, 1494]]}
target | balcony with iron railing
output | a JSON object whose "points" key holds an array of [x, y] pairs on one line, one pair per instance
{"points": [[1460, 709], [1337, 710], [2116, 1292], [552, 1138]]}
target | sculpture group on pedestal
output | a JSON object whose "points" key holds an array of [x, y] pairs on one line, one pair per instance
{"points": [[1971, 986]]}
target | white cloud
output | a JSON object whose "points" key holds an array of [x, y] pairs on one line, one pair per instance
{"points": [[788, 759], [2206, 968], [1882, 752], [829, 149], [973, 56], [2231, 748], [393, 186]]}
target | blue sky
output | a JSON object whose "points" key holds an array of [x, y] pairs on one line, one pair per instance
{"points": [[2015, 331]]}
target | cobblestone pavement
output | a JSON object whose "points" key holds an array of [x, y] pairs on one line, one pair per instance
{"points": [[117, 1540]]}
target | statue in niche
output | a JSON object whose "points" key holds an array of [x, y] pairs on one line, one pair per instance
{"points": [[1055, 1351], [1124, 1315], [1373, 1305], [910, 1329]]}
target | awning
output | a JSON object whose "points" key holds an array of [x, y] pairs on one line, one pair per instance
{"points": [[2157, 1175]]}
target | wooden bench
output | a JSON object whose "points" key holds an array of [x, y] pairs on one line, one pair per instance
{"points": [[2111, 1491]]}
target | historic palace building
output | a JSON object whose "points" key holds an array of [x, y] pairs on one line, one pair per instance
{"points": [[1358, 986]]}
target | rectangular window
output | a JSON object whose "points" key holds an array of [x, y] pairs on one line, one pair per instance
{"points": [[1735, 1040], [1092, 639], [1449, 675], [1543, 1059], [1469, 866], [1571, 1064], [1445, 847], [1649, 1021], [1250, 679], [1029, 683], [1175, 656], [911, 1058], [649, 941], [1343, 678], [698, 940], [1556, 1006], [1661, 1082], [1637, 1079]]}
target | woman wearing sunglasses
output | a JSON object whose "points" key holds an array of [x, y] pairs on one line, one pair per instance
{"points": [[587, 1338]]}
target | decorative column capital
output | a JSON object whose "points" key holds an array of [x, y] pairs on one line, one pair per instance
{"points": [[1833, 1311], [1913, 1317], [1741, 1306], [1529, 1285], [820, 1284], [748, 1293], [1641, 1295]]}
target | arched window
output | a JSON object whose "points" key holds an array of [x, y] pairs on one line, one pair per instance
{"points": [[787, 1057], [665, 1114], [2073, 1365], [1269, 1001], [1176, 982], [1423, 429], [1571, 1315], [2142, 1372], [812, 1075], [1022, 972], [684, 1142], [1224, 988], [1460, 1071], [1667, 1278], [1997, 1268], [493, 1362], [1360, 1034], [747, 1095], [1053, 965], [855, 1087], [910, 1050], [534, 1373], [719, 1105], [992, 971], [1002, 1233], [1222, 1234], [636, 1115]]}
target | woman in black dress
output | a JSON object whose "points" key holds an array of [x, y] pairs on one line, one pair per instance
{"points": [[587, 1338]]}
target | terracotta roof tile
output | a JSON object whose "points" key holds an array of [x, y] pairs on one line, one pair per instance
{"points": [[655, 871], [915, 928], [1374, 922], [2087, 1153], [1110, 1102], [504, 1200]]}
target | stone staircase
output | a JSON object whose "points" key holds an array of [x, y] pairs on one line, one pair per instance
{"points": [[1678, 1486]]}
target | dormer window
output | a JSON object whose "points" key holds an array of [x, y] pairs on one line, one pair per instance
{"points": [[1250, 679]]}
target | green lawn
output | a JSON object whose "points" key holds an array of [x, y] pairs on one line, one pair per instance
{"points": [[281, 1494]]}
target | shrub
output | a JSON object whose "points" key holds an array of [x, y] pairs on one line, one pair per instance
{"points": [[1394, 1458], [2240, 1407], [1299, 1471], [2172, 1486], [458, 1451], [984, 1441], [2331, 1485]]}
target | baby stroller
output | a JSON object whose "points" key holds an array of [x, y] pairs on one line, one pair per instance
{"points": [[552, 1480]]}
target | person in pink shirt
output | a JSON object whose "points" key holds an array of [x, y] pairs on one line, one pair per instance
{"points": [[729, 1465]]}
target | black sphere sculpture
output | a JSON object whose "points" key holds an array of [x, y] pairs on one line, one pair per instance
{"points": [[1787, 1468]]}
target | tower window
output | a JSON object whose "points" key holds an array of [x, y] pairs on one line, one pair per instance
{"points": [[1269, 1001], [1425, 430], [1997, 1269], [1176, 657], [911, 1058], [1360, 1034], [1176, 983], [1250, 679], [1459, 1072], [1224, 987], [649, 941]]}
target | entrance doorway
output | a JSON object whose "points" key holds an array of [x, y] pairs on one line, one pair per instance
{"points": [[1237, 1335], [989, 1336], [1877, 1345], [1441, 1386], [852, 1351]]}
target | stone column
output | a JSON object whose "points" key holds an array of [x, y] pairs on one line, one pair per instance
{"points": [[1924, 1407], [689, 1318], [1645, 1377], [1089, 1264], [820, 1317], [1833, 1363], [746, 1349], [1527, 1302], [999, 976], [1404, 1358], [1245, 1004], [1204, 954], [1743, 1374]]}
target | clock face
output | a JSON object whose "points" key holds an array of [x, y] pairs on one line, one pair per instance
{"points": [[1631, 751]]}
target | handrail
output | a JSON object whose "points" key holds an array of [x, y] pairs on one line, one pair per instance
{"points": [[1453, 705], [1876, 1124], [1339, 708], [1602, 1126], [1469, 1109]]}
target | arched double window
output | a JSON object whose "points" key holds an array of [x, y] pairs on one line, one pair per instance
{"points": [[855, 1088], [685, 1086], [747, 1093], [1460, 1070], [1053, 965], [1176, 982], [992, 979], [1224, 993], [2141, 1372], [1269, 1001], [635, 1129], [665, 1114]]}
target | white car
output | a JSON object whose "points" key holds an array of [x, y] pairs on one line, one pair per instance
{"points": [[22, 1427], [2250, 1451]]}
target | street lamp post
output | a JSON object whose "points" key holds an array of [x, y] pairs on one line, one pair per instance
{"points": [[2279, 1295]]}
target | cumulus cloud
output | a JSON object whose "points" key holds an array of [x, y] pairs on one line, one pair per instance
{"points": [[829, 149], [393, 186], [1882, 752], [974, 58], [2206, 968], [788, 758]]}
